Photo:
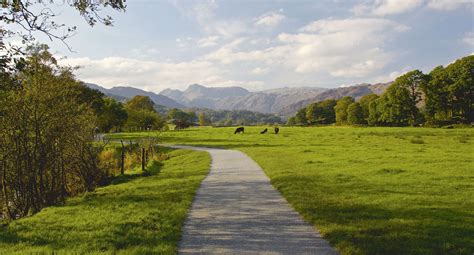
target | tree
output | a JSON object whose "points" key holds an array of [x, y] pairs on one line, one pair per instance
{"points": [[181, 119], [142, 115], [300, 117], [140, 103], [113, 115], [341, 109], [365, 102], [402, 97], [461, 88], [313, 113], [46, 133], [203, 120], [355, 114], [291, 121], [25, 18], [328, 114]]}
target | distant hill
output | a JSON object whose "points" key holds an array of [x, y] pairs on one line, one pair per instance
{"points": [[205, 97], [282, 101], [124, 93], [237, 98], [356, 91]]}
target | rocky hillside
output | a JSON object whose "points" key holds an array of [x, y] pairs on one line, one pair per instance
{"points": [[204, 97], [237, 98], [356, 92]]}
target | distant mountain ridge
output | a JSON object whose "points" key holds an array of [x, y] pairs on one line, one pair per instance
{"points": [[237, 98], [283, 101], [205, 97], [124, 93]]}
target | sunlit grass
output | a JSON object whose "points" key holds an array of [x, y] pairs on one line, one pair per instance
{"points": [[137, 214], [369, 190]]}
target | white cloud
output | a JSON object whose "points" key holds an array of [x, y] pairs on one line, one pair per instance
{"points": [[270, 19], [259, 70], [386, 7], [154, 75], [449, 5], [343, 48], [208, 41], [469, 38], [330, 49]]}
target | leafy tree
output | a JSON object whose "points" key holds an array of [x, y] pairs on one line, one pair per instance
{"points": [[461, 88], [45, 138], [113, 115], [341, 109], [355, 114], [181, 119], [374, 117], [313, 113], [321, 112], [140, 103], [142, 115], [365, 102], [203, 120], [300, 117], [328, 114], [291, 121], [402, 97]]}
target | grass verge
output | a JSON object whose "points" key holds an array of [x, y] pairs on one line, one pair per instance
{"points": [[368, 190], [137, 214]]}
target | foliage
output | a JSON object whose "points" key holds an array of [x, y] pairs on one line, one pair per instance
{"points": [[341, 109], [365, 104], [444, 96], [203, 119], [300, 117], [321, 112], [45, 138], [355, 114], [112, 115], [237, 117], [142, 115], [181, 119], [22, 19], [138, 214]]}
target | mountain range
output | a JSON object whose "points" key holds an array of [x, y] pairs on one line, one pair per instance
{"points": [[283, 101]]}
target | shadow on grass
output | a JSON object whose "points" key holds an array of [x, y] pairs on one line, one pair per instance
{"points": [[362, 228]]}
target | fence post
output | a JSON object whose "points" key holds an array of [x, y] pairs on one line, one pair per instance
{"points": [[122, 162], [143, 159]]}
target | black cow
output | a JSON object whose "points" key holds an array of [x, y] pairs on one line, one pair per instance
{"points": [[277, 130], [264, 131], [239, 130]]}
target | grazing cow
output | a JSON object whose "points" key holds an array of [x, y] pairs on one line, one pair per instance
{"points": [[239, 130], [277, 130], [264, 131]]}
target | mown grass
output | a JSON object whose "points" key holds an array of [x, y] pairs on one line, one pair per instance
{"points": [[368, 190], [137, 214]]}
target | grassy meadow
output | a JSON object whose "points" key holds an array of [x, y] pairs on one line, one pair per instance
{"points": [[368, 190], [136, 214]]}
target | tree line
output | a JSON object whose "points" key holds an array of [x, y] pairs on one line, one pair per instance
{"points": [[442, 97]]}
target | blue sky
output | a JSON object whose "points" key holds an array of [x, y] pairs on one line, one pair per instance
{"points": [[268, 44]]}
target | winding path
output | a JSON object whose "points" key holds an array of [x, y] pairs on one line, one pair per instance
{"points": [[237, 211]]}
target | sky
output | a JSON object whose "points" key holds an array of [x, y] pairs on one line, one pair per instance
{"points": [[260, 45]]}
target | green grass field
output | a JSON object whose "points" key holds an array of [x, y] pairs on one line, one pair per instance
{"points": [[135, 215], [369, 190]]}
